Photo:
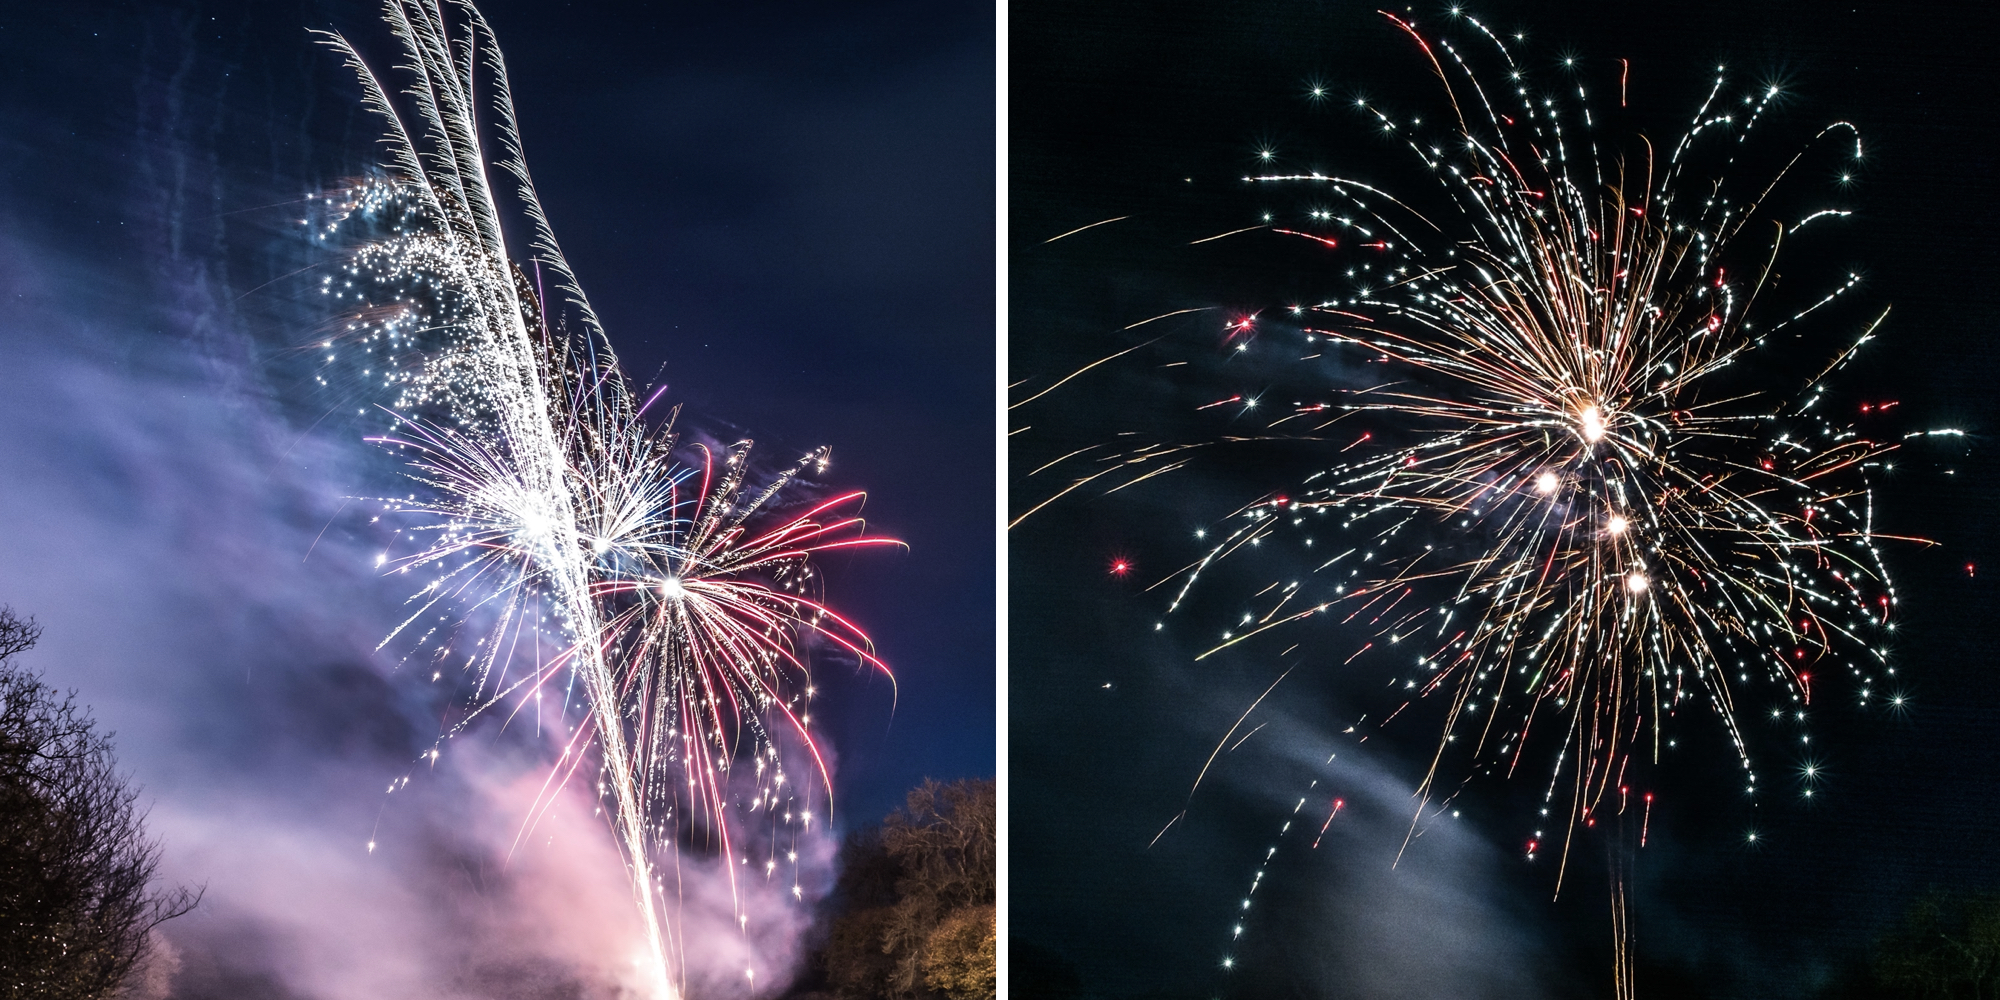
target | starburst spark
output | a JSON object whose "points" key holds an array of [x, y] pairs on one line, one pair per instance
{"points": [[1583, 491], [679, 595]]}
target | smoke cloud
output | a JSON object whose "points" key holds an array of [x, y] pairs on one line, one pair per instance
{"points": [[207, 586], [1365, 915]]}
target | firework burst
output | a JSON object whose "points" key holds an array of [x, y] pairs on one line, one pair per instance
{"points": [[680, 595], [1583, 486]]}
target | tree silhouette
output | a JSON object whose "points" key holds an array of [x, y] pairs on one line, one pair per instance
{"points": [[77, 905], [1947, 948], [916, 897]]}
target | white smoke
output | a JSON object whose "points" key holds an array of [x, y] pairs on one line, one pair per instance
{"points": [[202, 588]]}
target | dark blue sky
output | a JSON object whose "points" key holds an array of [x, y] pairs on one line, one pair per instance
{"points": [[784, 212]]}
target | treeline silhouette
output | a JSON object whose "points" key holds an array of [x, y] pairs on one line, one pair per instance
{"points": [[77, 899], [912, 916]]}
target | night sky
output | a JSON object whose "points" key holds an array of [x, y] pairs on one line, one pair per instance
{"points": [[783, 212], [1155, 111]]}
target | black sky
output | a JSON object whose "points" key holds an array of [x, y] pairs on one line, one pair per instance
{"points": [[1154, 111]]}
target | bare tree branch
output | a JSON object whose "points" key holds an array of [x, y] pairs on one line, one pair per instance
{"points": [[77, 901]]}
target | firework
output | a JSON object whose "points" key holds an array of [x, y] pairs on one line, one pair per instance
{"points": [[680, 595], [1582, 488]]}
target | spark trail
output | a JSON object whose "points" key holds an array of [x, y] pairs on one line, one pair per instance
{"points": [[680, 595]]}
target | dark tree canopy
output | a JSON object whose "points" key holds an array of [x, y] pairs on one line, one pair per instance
{"points": [[77, 903], [1947, 948], [915, 904]]}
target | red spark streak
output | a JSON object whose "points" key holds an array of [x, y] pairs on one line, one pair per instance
{"points": [[1328, 241], [1337, 803]]}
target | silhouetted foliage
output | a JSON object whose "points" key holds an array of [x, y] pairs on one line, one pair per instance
{"points": [[961, 957], [944, 841], [77, 905], [857, 966], [914, 909], [1947, 948], [1036, 973], [867, 873]]}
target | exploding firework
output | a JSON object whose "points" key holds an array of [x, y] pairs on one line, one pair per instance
{"points": [[1584, 484], [680, 595]]}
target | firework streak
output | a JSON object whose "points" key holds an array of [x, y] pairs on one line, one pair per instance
{"points": [[1583, 490], [679, 594]]}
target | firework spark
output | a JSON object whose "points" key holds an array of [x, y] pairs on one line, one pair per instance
{"points": [[680, 595]]}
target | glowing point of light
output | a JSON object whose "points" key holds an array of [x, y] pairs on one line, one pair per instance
{"points": [[672, 589], [535, 524], [1616, 525], [1636, 582], [1546, 482], [1591, 421]]}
